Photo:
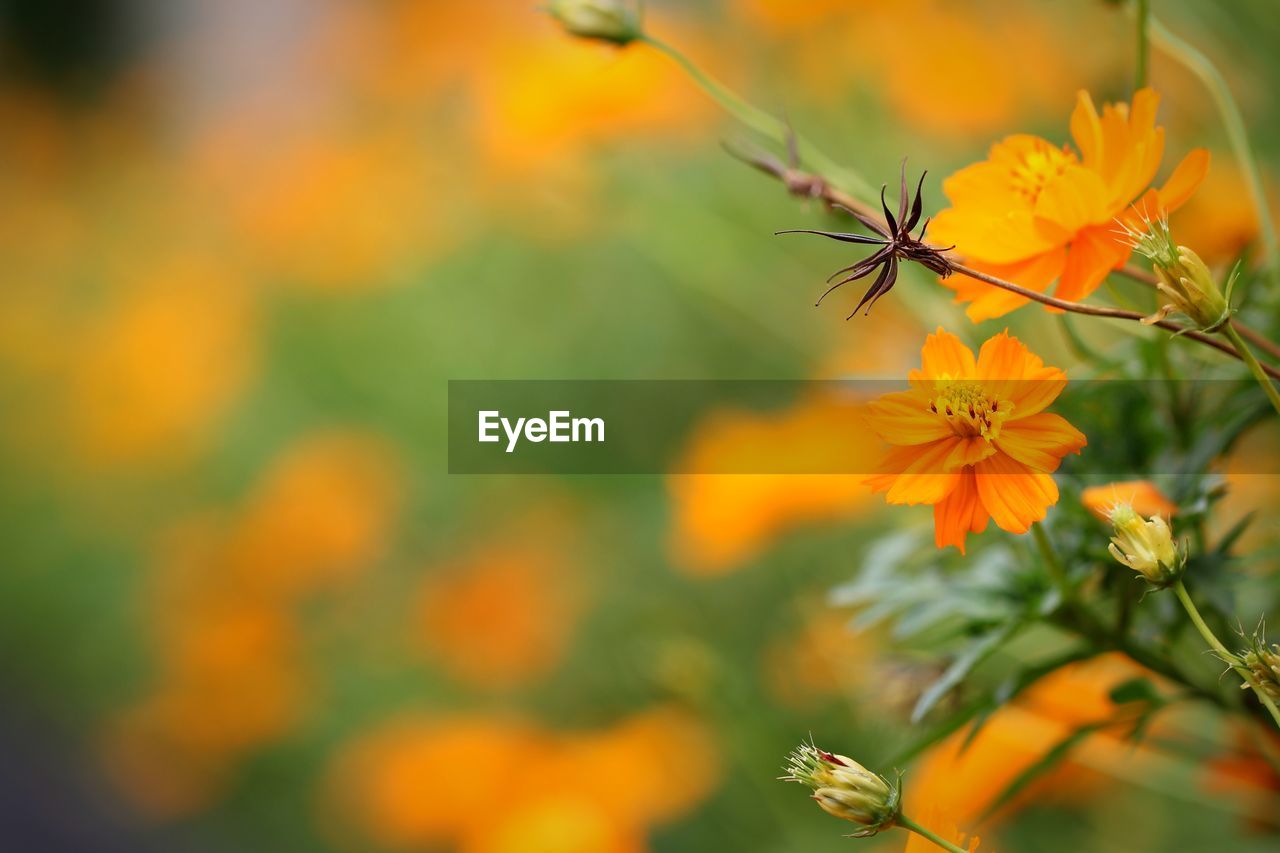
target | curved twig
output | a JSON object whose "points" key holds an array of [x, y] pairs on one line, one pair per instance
{"points": [[836, 198]]}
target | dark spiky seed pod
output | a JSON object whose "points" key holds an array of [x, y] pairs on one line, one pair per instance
{"points": [[895, 242]]}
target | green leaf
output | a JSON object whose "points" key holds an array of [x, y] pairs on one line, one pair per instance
{"points": [[1229, 538], [975, 653], [1138, 689], [981, 708]]}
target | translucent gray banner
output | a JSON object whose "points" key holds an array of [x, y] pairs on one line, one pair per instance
{"points": [[1134, 429]]}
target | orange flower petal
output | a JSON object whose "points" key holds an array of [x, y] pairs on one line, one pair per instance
{"points": [[1086, 130], [1094, 252], [1040, 441], [967, 452], [1076, 198], [1185, 179], [960, 514], [902, 418], [984, 185], [987, 300], [915, 475], [1010, 371], [1142, 116], [944, 355], [1014, 494]]}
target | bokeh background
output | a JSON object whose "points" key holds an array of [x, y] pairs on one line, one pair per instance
{"points": [[243, 245]]}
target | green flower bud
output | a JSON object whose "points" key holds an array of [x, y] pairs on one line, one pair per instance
{"points": [[1146, 546], [615, 21], [1181, 277], [1263, 662], [845, 789]]}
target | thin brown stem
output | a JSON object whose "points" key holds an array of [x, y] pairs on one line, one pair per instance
{"points": [[833, 196], [1103, 311]]}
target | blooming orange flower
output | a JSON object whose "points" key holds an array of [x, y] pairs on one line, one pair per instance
{"points": [[1142, 495], [1033, 212], [526, 591], [972, 437]]}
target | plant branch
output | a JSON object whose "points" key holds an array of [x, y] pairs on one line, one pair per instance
{"points": [[1144, 48], [1227, 656], [834, 196], [909, 824], [1255, 366], [762, 122], [1056, 571]]}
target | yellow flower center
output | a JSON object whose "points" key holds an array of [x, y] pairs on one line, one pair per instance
{"points": [[1037, 168], [968, 408]]}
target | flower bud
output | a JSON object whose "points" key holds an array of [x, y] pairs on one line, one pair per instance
{"points": [[1263, 662], [1182, 278], [1146, 546], [845, 789], [615, 21]]}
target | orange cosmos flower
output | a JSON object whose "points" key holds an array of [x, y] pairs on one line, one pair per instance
{"points": [[1033, 212], [972, 437]]}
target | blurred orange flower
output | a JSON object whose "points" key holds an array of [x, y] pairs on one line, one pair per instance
{"points": [[963, 777], [1245, 775], [503, 614], [230, 676], [414, 781], [421, 781], [336, 211], [321, 513], [1033, 212], [957, 83], [972, 438], [1250, 470], [824, 657], [1143, 495], [721, 520], [555, 824], [1214, 221], [229, 681], [150, 375]]}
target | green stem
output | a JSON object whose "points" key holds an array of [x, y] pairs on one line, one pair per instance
{"points": [[1228, 657], [909, 824], [1144, 47], [1254, 367], [1202, 67], [1056, 571], [765, 124]]}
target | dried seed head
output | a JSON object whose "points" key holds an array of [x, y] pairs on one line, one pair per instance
{"points": [[895, 243]]}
